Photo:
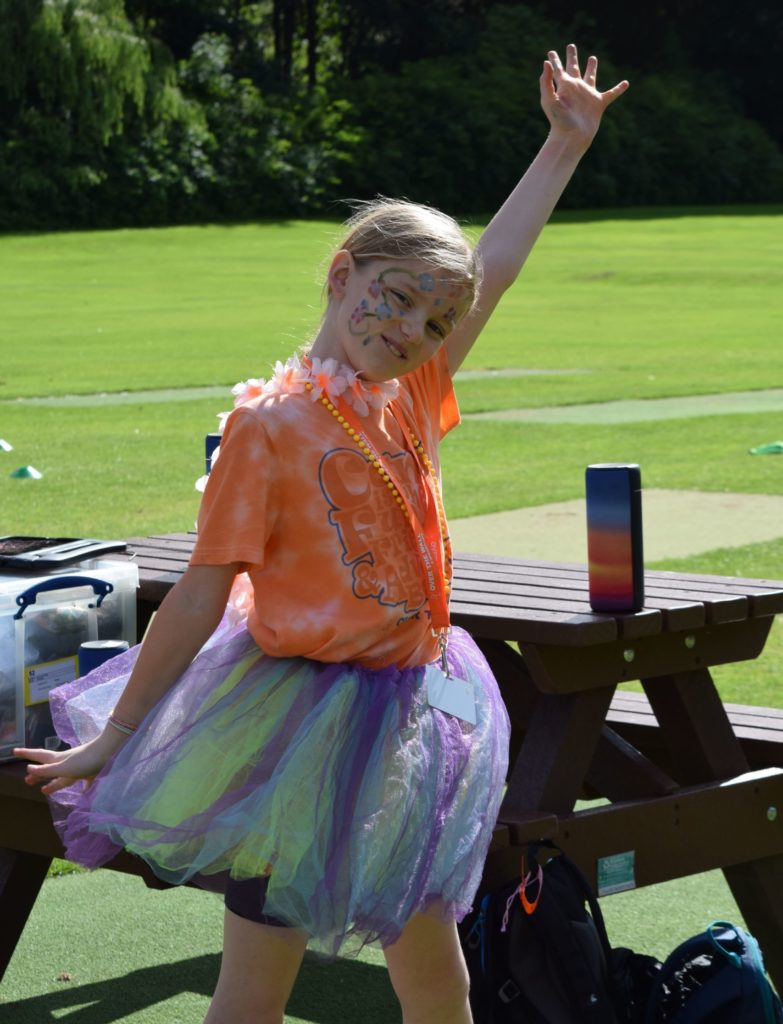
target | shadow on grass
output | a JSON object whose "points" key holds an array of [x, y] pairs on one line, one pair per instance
{"points": [[578, 216], [668, 212], [94, 229], [325, 993], [339, 209]]}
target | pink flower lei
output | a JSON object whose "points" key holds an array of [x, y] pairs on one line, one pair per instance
{"points": [[327, 377]]}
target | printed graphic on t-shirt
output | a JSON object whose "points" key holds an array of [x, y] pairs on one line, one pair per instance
{"points": [[367, 519]]}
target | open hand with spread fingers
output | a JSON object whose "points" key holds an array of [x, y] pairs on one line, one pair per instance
{"points": [[570, 100], [56, 769]]}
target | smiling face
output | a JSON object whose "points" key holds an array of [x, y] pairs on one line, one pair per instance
{"points": [[388, 318]]}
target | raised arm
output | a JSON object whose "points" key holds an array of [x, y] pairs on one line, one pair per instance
{"points": [[185, 621], [574, 108]]}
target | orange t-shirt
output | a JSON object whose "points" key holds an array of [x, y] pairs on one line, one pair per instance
{"points": [[335, 571]]}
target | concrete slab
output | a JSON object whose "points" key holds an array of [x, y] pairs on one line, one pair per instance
{"points": [[223, 390], [520, 371], [629, 411], [643, 409], [676, 524]]}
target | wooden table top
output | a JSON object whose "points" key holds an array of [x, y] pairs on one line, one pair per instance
{"points": [[532, 601]]}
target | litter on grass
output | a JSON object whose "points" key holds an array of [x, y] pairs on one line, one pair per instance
{"points": [[773, 448], [5, 446], [27, 473]]}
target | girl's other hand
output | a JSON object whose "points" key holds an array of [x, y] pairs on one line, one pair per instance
{"points": [[570, 100], [60, 768]]}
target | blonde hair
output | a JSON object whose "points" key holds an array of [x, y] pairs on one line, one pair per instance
{"points": [[395, 229]]}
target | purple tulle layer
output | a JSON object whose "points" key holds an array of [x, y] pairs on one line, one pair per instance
{"points": [[362, 803]]}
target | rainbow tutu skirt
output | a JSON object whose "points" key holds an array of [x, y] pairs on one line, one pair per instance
{"points": [[363, 804]]}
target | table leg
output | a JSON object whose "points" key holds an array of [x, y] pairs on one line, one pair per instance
{"points": [[697, 729], [517, 688], [758, 889], [559, 746], [21, 878], [704, 747], [617, 770]]}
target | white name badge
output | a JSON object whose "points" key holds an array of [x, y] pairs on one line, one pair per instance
{"points": [[447, 693]]}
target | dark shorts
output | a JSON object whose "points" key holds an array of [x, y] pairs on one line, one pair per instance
{"points": [[246, 899]]}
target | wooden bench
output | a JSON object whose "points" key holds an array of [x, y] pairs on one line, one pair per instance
{"points": [[759, 729]]}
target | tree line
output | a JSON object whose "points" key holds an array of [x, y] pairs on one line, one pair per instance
{"points": [[137, 112]]}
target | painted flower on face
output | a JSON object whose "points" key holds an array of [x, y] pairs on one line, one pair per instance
{"points": [[325, 379], [383, 311], [247, 390], [426, 282], [375, 288], [361, 311]]}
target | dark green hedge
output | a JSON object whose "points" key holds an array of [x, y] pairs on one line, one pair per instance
{"points": [[101, 126]]}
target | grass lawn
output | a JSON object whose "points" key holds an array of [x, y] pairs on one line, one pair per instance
{"points": [[130, 469], [673, 304], [623, 306]]}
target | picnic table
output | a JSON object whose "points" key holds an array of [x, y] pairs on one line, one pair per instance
{"points": [[684, 791]]}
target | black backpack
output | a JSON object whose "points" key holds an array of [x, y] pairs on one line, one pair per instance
{"points": [[716, 977], [537, 955]]}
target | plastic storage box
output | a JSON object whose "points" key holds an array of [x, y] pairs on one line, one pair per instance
{"points": [[43, 620]]}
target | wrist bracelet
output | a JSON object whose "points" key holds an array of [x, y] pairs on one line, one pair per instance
{"points": [[124, 727]]}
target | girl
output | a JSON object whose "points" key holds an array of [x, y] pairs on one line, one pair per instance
{"points": [[334, 762]]}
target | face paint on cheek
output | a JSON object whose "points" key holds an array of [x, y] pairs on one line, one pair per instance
{"points": [[357, 323]]}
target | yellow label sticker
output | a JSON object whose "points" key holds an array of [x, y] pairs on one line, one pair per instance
{"points": [[40, 679]]}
